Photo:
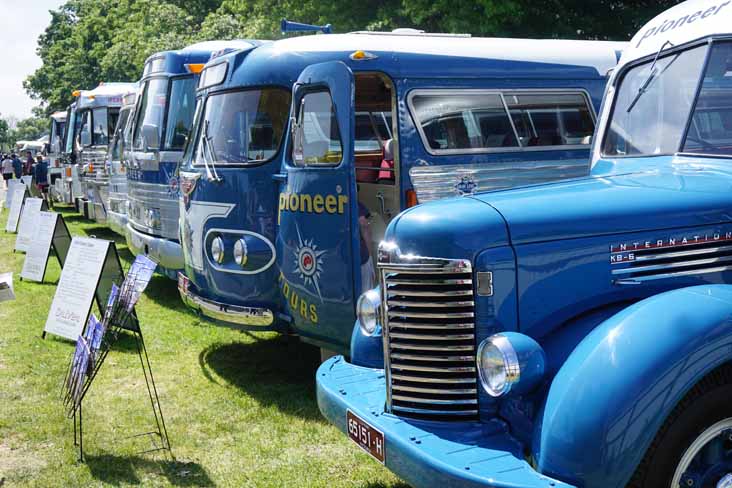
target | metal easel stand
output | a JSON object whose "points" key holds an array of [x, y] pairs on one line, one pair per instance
{"points": [[160, 434]]}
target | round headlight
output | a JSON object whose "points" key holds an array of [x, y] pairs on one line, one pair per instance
{"points": [[367, 309], [241, 252], [217, 250], [498, 365]]}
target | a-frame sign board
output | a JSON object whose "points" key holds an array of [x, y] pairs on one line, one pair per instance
{"points": [[29, 222], [90, 269], [51, 233], [18, 195]]}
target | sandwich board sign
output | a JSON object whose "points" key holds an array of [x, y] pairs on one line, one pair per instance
{"points": [[16, 204], [90, 269], [28, 222], [51, 233], [9, 194]]}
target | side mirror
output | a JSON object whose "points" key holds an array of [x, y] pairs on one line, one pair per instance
{"points": [[151, 136]]}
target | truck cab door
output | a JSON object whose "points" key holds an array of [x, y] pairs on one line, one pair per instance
{"points": [[318, 239]]}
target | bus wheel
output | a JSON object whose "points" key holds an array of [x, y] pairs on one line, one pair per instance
{"points": [[693, 448]]}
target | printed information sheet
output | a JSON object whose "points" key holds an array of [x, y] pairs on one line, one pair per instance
{"points": [[16, 204], [76, 288], [28, 223], [36, 258]]}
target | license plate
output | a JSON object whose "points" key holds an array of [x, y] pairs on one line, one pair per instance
{"points": [[368, 438]]}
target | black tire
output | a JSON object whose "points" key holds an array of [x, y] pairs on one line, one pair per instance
{"points": [[704, 405]]}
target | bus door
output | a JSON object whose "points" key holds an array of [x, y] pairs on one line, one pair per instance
{"points": [[318, 239]]}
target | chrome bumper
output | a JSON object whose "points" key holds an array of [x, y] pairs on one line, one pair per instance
{"points": [[117, 222], [166, 253], [222, 312]]}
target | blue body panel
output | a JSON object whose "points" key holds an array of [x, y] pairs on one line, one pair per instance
{"points": [[623, 380]]}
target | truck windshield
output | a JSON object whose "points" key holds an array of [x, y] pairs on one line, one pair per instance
{"points": [[243, 127], [656, 104], [149, 127]]}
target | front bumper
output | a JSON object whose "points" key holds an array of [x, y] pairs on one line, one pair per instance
{"points": [[425, 454], [168, 254], [235, 315], [117, 222]]}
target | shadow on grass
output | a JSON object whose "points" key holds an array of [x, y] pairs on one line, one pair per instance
{"points": [[123, 470], [164, 291], [279, 372]]}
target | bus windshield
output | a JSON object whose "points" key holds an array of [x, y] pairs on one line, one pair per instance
{"points": [[675, 105], [70, 130], [118, 142], [180, 112], [149, 128], [244, 127]]}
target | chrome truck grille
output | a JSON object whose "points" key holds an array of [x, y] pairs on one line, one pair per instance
{"points": [[429, 337], [153, 209]]}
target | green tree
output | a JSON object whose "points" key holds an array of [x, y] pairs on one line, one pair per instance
{"points": [[5, 141]]}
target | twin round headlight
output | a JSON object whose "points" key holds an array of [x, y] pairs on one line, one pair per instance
{"points": [[510, 362], [367, 310], [241, 252]]}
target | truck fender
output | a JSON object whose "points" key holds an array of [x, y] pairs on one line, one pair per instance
{"points": [[617, 387], [367, 350]]}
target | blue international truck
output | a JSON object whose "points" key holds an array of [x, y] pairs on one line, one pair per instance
{"points": [[161, 127], [574, 333], [271, 229]]}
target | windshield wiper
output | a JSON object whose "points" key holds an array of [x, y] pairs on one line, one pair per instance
{"points": [[211, 173], [651, 76]]}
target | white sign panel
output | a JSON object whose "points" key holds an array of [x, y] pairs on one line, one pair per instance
{"points": [[28, 223], [9, 195], [34, 266], [27, 180], [16, 203], [76, 288], [6, 287]]}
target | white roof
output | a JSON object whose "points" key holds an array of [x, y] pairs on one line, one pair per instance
{"points": [[59, 116], [598, 54], [105, 94], [683, 23]]}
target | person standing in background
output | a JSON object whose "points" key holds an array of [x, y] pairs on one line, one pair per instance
{"points": [[40, 173], [17, 166], [28, 166], [7, 169]]}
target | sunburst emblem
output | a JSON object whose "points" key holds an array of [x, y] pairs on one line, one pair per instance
{"points": [[309, 262]]}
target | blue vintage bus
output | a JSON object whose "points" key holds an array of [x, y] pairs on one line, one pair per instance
{"points": [[271, 190], [574, 333], [161, 127]]}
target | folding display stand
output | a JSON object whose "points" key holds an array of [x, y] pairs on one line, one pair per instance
{"points": [[119, 319]]}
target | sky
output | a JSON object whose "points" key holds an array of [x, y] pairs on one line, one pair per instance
{"points": [[21, 22]]}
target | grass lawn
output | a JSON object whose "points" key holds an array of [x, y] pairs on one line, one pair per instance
{"points": [[240, 408]]}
